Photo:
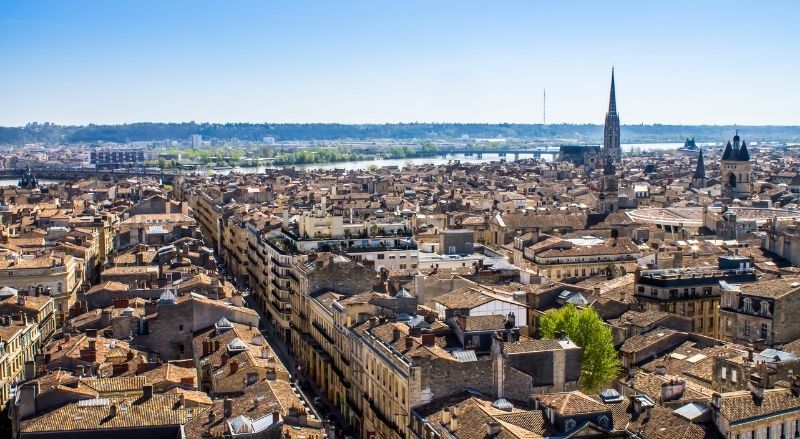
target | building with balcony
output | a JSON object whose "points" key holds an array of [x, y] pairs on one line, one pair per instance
{"points": [[692, 292]]}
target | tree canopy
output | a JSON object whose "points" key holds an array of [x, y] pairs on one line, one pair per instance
{"points": [[600, 363]]}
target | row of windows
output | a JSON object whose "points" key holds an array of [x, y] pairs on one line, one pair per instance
{"points": [[747, 329], [773, 432]]}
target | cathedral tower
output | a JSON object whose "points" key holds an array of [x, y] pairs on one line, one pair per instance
{"points": [[609, 187], [611, 145], [735, 168]]}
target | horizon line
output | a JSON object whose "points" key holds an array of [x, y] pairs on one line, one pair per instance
{"points": [[392, 123]]}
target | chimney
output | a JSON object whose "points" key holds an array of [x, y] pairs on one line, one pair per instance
{"points": [[396, 334], [453, 422], [227, 408], [428, 340], [276, 416], [206, 347], [216, 345], [756, 388], [492, 428], [409, 342], [672, 390], [446, 416], [224, 359], [234, 366], [796, 386], [147, 391], [30, 369], [419, 286], [373, 322]]}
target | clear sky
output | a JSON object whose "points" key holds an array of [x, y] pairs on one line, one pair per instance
{"points": [[681, 62]]}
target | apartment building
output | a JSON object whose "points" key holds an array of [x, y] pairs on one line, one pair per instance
{"points": [[52, 273], [762, 313], [692, 292], [20, 341], [582, 257]]}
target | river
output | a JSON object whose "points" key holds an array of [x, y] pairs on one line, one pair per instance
{"points": [[439, 160], [435, 160]]}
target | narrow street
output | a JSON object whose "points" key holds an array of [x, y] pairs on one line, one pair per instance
{"points": [[282, 353]]}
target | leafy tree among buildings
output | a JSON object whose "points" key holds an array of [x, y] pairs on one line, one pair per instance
{"points": [[600, 363]]}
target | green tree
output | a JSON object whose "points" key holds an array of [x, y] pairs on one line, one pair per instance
{"points": [[600, 363], [162, 162]]}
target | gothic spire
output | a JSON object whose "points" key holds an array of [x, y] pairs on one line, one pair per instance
{"points": [[612, 101], [700, 171]]}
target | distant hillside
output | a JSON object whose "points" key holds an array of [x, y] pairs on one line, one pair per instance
{"points": [[34, 133]]}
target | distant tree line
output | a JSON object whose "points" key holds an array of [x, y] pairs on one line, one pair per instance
{"points": [[52, 133]]}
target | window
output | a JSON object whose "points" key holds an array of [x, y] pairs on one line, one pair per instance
{"points": [[707, 291], [640, 289], [180, 348], [748, 305], [723, 373], [746, 328], [673, 293], [603, 421], [252, 377], [180, 327], [653, 292], [764, 331], [694, 291], [733, 375], [381, 256], [764, 307], [569, 424]]}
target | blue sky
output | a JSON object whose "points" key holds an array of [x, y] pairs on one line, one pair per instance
{"points": [[683, 62]]}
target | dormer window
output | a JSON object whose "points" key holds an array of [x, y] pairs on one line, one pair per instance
{"points": [[569, 425], [748, 305], [603, 421], [764, 307]]}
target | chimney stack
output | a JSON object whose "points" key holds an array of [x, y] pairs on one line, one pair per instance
{"points": [[227, 408], [492, 428], [147, 391]]}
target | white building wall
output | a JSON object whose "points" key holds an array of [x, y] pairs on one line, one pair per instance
{"points": [[499, 307]]}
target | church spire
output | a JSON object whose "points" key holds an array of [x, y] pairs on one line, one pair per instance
{"points": [[700, 171], [612, 100]]}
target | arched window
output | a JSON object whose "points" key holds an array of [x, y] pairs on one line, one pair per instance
{"points": [[603, 421], [764, 307], [569, 424]]}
